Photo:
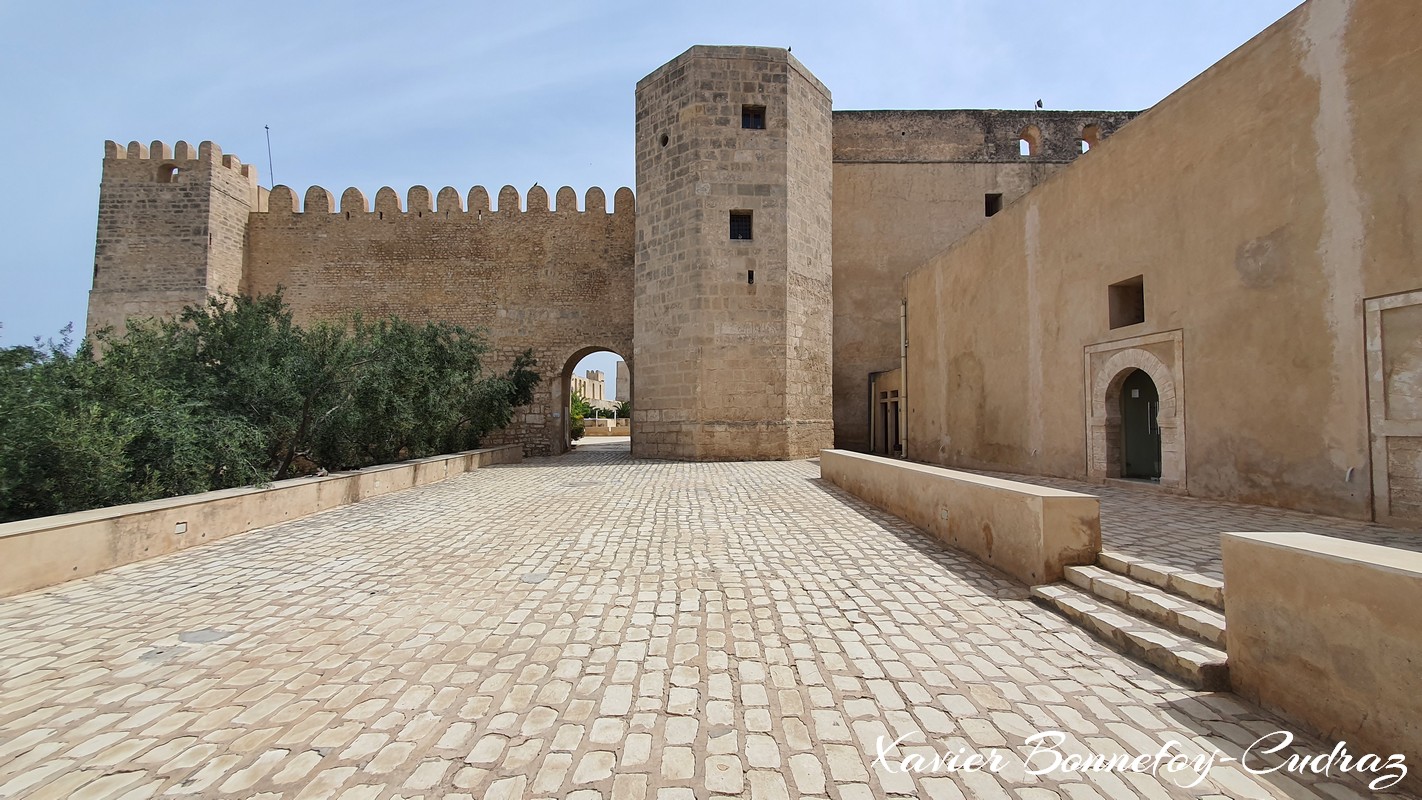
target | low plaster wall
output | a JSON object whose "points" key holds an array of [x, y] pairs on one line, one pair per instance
{"points": [[1029, 532], [40, 552], [1328, 632]]}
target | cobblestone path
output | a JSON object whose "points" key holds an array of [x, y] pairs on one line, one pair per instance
{"points": [[585, 627]]}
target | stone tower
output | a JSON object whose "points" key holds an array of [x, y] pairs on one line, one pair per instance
{"points": [[172, 229], [733, 311]]}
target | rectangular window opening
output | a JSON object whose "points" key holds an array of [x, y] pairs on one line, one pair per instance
{"points": [[753, 117], [741, 225], [992, 203], [750, 277], [1127, 302]]}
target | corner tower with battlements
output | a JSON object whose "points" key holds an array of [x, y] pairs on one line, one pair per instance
{"points": [[733, 309], [172, 229]]}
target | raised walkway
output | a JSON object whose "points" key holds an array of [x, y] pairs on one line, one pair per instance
{"points": [[1184, 532], [585, 627]]}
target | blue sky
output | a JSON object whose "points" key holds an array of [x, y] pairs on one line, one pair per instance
{"points": [[374, 94]]}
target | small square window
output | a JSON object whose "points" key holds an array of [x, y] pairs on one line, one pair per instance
{"points": [[753, 117], [1127, 302], [741, 225], [992, 203]]}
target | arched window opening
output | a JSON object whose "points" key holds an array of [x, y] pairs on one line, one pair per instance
{"points": [[168, 173], [1090, 136], [1029, 142]]}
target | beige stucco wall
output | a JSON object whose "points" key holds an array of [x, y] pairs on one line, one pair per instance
{"points": [[1029, 532], [907, 184], [1329, 633], [1261, 203], [47, 550]]}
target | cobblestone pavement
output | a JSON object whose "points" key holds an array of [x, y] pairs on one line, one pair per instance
{"points": [[585, 627], [1185, 532]]}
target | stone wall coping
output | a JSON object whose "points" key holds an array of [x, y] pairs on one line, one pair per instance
{"points": [[1031, 533], [25, 527], [1332, 548], [966, 477]]}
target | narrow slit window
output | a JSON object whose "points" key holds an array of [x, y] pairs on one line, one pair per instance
{"points": [[741, 227], [992, 203], [750, 277], [753, 117]]}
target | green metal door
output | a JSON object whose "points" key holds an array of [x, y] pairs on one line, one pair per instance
{"points": [[1140, 448]]}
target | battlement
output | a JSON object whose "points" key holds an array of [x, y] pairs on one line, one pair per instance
{"points": [[418, 202], [170, 161]]}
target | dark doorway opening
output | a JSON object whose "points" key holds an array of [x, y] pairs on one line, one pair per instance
{"points": [[1140, 429]]}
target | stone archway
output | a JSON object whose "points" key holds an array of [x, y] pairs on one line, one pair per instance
{"points": [[1108, 366], [562, 390]]}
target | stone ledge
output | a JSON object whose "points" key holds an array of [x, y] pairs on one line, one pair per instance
{"points": [[40, 552], [1328, 633], [1030, 532]]}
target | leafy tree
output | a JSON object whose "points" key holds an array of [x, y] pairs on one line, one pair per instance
{"points": [[624, 409], [61, 449], [234, 393]]}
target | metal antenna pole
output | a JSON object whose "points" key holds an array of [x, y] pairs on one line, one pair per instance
{"points": [[271, 171]]}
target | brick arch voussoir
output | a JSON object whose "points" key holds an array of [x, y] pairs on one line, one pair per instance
{"points": [[1113, 373]]}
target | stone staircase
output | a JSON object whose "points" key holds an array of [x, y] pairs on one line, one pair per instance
{"points": [[1170, 619]]}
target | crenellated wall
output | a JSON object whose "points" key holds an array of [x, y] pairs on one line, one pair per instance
{"points": [[557, 281], [747, 348]]}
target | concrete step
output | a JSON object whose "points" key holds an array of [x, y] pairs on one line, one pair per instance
{"points": [[1200, 588], [1160, 606], [1191, 661]]}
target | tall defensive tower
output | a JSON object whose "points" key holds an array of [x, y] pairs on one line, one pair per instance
{"points": [[172, 229], [733, 312]]}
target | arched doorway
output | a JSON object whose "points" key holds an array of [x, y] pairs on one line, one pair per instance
{"points": [[1140, 427], [596, 392], [1154, 399]]}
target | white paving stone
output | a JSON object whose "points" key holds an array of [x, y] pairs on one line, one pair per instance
{"points": [[584, 627]]}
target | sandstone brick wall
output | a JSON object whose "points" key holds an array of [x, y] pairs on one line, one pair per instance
{"points": [[171, 231], [729, 365], [556, 281], [908, 184], [809, 269]]}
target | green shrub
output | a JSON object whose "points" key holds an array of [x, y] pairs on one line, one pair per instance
{"points": [[234, 393]]}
